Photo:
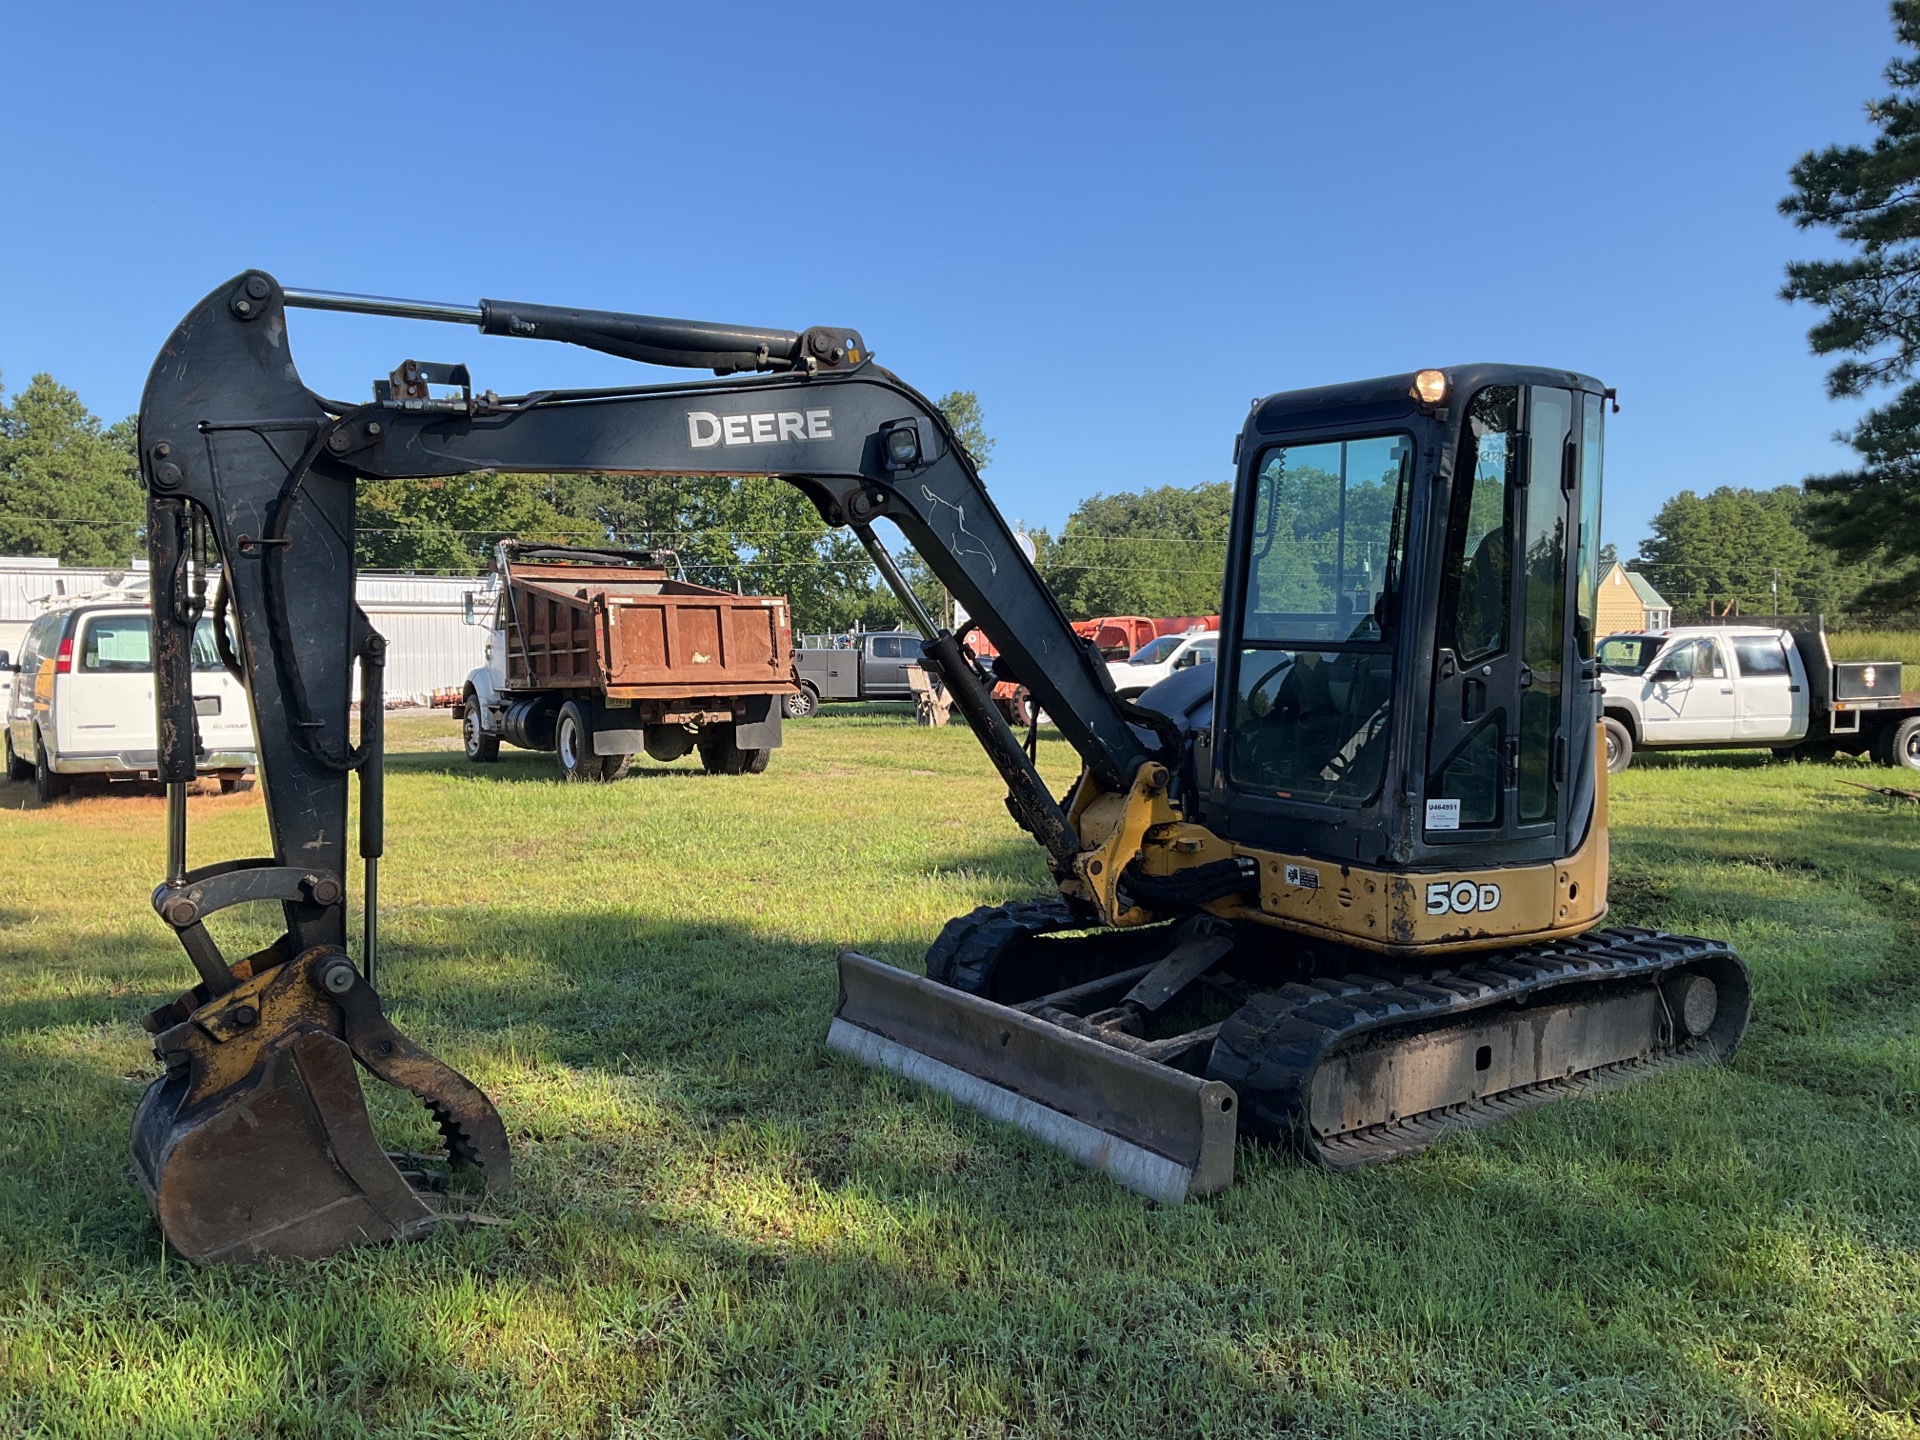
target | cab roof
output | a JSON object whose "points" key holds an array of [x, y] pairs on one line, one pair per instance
{"points": [[1391, 397]]}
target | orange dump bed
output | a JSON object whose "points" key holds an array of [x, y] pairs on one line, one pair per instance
{"points": [[641, 635]]}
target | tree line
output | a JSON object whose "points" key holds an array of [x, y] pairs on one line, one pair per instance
{"points": [[69, 488], [1848, 541]]}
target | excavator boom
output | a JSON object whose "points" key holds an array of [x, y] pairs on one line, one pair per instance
{"points": [[250, 479]]}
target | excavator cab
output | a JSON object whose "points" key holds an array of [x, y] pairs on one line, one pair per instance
{"points": [[1342, 889], [1407, 670]]}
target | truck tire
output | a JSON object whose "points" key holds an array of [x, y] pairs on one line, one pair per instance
{"points": [[1899, 745], [799, 707], [1619, 745], [48, 784], [573, 749], [720, 756], [17, 769], [1017, 708], [482, 748]]}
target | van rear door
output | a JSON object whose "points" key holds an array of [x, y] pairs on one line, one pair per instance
{"points": [[105, 704]]}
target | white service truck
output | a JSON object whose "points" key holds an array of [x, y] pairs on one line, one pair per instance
{"points": [[1777, 687]]}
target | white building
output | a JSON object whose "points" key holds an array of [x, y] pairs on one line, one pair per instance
{"points": [[429, 645]]}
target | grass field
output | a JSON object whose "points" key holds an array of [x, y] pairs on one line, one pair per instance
{"points": [[717, 1229], [1901, 645]]}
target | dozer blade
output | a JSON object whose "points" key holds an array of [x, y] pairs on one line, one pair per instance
{"points": [[257, 1143], [1154, 1129]]}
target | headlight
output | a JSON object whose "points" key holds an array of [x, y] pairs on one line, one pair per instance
{"points": [[902, 441], [1430, 386]]}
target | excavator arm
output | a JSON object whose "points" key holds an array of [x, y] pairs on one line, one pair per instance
{"points": [[251, 473]]}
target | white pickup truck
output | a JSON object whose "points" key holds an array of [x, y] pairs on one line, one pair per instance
{"points": [[1155, 661], [1718, 687]]}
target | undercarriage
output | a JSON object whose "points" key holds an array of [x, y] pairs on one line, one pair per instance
{"points": [[1345, 1057]]}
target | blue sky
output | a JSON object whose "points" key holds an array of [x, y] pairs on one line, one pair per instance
{"points": [[1117, 224]]}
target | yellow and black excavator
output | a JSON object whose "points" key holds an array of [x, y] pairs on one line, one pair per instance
{"points": [[1341, 890]]}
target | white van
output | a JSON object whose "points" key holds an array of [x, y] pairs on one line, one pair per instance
{"points": [[82, 702]]}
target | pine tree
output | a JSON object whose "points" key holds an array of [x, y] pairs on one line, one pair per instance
{"points": [[1869, 196], [67, 483]]}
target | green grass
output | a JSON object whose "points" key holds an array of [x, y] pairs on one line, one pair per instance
{"points": [[717, 1229], [1901, 645]]}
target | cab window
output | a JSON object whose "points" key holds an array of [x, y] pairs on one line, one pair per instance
{"points": [[123, 645], [1154, 653], [1312, 683], [117, 643], [39, 642], [1760, 655], [1478, 581], [1628, 654], [1695, 659], [1194, 655]]}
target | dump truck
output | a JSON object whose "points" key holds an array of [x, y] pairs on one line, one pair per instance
{"points": [[600, 654], [1344, 890]]}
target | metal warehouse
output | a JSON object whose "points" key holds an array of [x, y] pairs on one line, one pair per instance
{"points": [[429, 645]]}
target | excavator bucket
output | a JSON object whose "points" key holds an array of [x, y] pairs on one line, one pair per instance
{"points": [[257, 1144], [1154, 1129]]}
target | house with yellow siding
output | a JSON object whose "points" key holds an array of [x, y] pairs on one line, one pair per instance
{"points": [[1629, 602]]}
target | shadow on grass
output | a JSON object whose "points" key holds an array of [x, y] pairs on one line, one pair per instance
{"points": [[719, 1224]]}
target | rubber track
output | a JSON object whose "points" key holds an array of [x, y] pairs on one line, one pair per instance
{"points": [[965, 952], [1269, 1050]]}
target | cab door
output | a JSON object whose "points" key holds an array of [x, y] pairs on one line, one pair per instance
{"points": [[885, 668], [1509, 674], [1713, 710], [1690, 695], [1772, 705]]}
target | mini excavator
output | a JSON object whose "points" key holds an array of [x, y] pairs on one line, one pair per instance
{"points": [[1343, 889]]}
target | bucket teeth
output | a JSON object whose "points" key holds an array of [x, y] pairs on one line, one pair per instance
{"points": [[461, 1149]]}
